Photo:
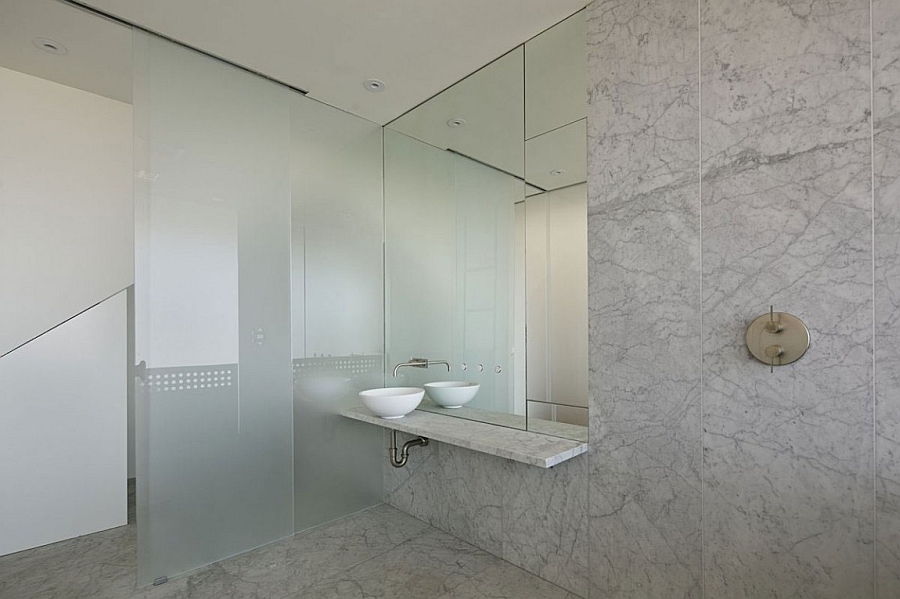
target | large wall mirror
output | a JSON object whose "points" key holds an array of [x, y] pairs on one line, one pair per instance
{"points": [[486, 238]]}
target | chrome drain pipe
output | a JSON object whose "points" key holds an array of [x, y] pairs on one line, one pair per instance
{"points": [[400, 461]]}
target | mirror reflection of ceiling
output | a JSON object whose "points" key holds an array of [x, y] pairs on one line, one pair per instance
{"points": [[558, 158], [556, 105], [535, 93], [93, 54], [482, 116], [556, 77]]}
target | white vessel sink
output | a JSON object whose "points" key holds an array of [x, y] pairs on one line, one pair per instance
{"points": [[451, 394], [392, 402]]}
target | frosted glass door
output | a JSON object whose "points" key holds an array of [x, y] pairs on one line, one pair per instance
{"points": [[212, 309]]}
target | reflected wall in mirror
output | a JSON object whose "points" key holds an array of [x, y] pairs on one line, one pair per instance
{"points": [[486, 238]]}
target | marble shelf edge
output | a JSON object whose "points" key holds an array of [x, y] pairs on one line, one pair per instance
{"points": [[527, 447]]}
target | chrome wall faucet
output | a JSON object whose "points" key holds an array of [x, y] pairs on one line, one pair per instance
{"points": [[420, 363]]}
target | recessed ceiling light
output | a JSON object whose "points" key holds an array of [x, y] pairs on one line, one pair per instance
{"points": [[557, 171], [456, 123], [49, 45], [374, 85]]}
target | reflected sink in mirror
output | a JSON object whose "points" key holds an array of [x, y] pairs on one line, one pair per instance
{"points": [[392, 402], [451, 394]]}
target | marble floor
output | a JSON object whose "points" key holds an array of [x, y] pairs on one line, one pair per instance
{"points": [[381, 552]]}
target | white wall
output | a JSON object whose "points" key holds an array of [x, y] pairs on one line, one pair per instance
{"points": [[66, 244], [66, 238], [62, 431]]}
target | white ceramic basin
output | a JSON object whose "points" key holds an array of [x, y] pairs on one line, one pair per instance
{"points": [[392, 402], [451, 394]]}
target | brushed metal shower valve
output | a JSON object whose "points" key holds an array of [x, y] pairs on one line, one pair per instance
{"points": [[777, 338]]}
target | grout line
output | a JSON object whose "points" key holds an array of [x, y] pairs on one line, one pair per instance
{"points": [[874, 306], [700, 219], [386, 321]]}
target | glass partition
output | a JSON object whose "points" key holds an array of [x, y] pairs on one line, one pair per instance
{"points": [[259, 309], [212, 309]]}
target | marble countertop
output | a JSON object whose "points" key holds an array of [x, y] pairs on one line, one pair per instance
{"points": [[528, 447]]}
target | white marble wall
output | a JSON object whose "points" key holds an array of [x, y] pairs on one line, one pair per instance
{"points": [[886, 63], [532, 517], [644, 275], [731, 167], [787, 221]]}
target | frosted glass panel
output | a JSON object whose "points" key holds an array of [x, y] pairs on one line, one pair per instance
{"points": [[450, 236], [213, 311], [338, 325]]}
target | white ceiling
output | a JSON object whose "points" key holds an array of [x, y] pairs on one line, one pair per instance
{"points": [[98, 58], [329, 47]]}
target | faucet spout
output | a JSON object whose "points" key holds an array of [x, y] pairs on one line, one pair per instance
{"points": [[420, 363], [444, 362]]}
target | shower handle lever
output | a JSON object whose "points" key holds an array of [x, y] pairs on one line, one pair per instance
{"points": [[777, 338]]}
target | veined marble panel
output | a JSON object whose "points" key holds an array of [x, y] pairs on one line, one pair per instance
{"points": [[534, 518], [787, 493], [418, 487], [886, 114], [642, 97], [473, 497], [452, 488], [545, 522], [644, 287]]}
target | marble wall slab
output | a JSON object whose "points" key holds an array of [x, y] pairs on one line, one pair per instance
{"points": [[787, 483], [886, 115], [644, 287], [545, 529], [533, 517]]}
